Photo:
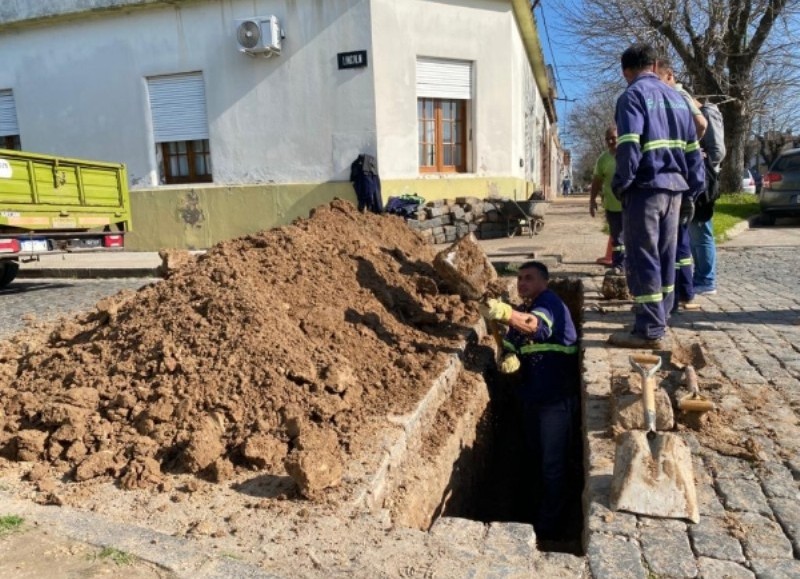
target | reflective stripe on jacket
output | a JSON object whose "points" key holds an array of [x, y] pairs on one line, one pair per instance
{"points": [[657, 146]]}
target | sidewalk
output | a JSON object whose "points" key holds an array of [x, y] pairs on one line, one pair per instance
{"points": [[571, 239]]}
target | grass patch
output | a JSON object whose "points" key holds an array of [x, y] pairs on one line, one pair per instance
{"points": [[731, 209], [10, 524], [118, 557]]}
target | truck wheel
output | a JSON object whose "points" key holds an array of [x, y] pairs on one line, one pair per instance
{"points": [[767, 219], [8, 271]]}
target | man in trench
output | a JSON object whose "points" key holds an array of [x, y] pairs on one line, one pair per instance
{"points": [[541, 348]]}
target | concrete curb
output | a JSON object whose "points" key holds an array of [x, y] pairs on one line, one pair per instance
{"points": [[741, 227]]}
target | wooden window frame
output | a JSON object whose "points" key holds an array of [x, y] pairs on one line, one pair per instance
{"points": [[191, 160], [461, 115]]}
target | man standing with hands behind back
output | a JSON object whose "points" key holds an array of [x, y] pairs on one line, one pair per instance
{"points": [[659, 173]]}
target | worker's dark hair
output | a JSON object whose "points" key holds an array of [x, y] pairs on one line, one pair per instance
{"points": [[536, 265], [638, 56]]}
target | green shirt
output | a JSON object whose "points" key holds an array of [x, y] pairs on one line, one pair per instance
{"points": [[604, 168]]}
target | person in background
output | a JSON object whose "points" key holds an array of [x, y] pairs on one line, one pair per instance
{"points": [[659, 173], [701, 229], [541, 346], [566, 185], [601, 183], [684, 286]]}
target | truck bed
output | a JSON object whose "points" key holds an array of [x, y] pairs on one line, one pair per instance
{"points": [[43, 192]]}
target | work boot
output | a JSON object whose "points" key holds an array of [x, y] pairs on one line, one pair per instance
{"points": [[631, 340], [689, 306]]}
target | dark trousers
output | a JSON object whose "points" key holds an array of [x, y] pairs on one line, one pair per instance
{"points": [[614, 219], [368, 193], [552, 437], [650, 225], [684, 286]]}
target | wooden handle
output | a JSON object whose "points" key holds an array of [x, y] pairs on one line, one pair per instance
{"points": [[645, 358], [649, 402], [497, 334]]}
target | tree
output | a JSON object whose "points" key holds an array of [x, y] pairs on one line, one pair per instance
{"points": [[587, 124], [724, 46]]}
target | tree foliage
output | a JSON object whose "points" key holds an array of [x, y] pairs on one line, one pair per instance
{"points": [[726, 50]]}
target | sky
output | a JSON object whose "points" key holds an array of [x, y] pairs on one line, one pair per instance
{"points": [[559, 49]]}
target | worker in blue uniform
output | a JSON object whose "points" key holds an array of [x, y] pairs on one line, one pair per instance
{"points": [[659, 174], [542, 346]]}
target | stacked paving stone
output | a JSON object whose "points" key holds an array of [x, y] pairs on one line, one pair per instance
{"points": [[445, 221], [749, 495]]}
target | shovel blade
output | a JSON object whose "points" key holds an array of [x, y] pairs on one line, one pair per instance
{"points": [[654, 477]]}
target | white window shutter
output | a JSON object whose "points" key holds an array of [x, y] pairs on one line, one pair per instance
{"points": [[178, 107], [444, 79]]}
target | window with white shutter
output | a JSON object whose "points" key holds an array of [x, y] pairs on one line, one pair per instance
{"points": [[180, 127], [9, 129]]}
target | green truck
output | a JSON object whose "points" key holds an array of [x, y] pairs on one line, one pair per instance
{"points": [[51, 205]]}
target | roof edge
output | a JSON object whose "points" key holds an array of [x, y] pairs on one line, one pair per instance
{"points": [[530, 38]]}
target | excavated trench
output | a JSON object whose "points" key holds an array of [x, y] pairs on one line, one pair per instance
{"points": [[481, 470]]}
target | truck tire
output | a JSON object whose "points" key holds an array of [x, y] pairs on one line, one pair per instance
{"points": [[8, 271]]}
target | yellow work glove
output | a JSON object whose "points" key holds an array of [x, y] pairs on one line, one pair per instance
{"points": [[509, 364], [494, 309]]}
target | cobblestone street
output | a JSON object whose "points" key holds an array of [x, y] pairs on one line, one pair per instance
{"points": [[747, 485], [48, 299]]}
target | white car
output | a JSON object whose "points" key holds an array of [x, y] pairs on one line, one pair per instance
{"points": [[748, 183]]}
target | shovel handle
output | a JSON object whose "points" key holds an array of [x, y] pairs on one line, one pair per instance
{"points": [[646, 359], [649, 403], [691, 380]]}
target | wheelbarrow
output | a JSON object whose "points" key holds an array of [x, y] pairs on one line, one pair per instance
{"points": [[524, 216]]}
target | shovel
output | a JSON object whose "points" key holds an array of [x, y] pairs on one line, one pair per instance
{"points": [[653, 472]]}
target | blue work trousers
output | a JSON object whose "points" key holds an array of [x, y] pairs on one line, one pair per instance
{"points": [[650, 225], [704, 254], [552, 437], [614, 219], [684, 286]]}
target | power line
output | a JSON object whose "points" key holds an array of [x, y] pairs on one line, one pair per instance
{"points": [[550, 46]]}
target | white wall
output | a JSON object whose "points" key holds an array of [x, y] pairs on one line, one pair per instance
{"points": [[80, 87], [477, 30]]}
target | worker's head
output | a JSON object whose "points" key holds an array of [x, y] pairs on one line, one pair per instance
{"points": [[636, 59], [665, 70], [532, 279], [611, 139]]}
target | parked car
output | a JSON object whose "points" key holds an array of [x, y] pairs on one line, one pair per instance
{"points": [[780, 195], [748, 183]]}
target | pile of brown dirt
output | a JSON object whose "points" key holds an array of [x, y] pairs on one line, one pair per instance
{"points": [[280, 352]]}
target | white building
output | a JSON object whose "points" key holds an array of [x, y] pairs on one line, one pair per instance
{"points": [[451, 96]]}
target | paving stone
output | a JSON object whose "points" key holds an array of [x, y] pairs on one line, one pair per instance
{"points": [[465, 533], [776, 568], [727, 467], [743, 495], [614, 557], [763, 538], [711, 538], [513, 541], [787, 511], [603, 520], [668, 553], [714, 569], [778, 482], [707, 500]]}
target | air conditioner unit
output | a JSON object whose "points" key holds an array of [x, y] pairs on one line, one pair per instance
{"points": [[260, 35]]}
